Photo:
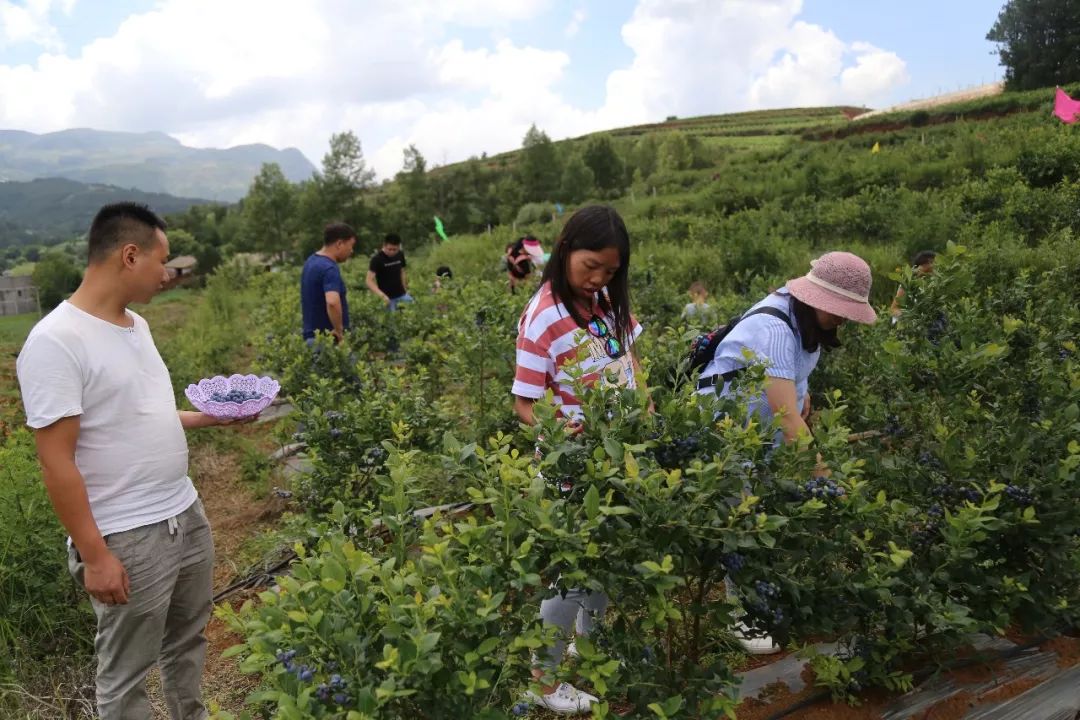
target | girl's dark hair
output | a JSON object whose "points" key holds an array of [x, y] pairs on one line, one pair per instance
{"points": [[813, 335], [594, 227]]}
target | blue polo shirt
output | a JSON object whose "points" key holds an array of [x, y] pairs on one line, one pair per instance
{"points": [[320, 276]]}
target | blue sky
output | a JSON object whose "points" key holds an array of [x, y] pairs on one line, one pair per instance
{"points": [[943, 42], [457, 77]]}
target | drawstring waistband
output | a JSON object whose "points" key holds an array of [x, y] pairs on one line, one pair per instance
{"points": [[173, 525]]}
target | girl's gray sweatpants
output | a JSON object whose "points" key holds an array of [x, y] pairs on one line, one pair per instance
{"points": [[579, 609]]}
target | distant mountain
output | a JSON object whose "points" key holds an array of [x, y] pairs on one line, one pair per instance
{"points": [[151, 162], [53, 209]]}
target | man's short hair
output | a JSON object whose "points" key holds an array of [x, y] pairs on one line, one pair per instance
{"points": [[337, 231], [118, 224], [923, 257], [392, 239]]}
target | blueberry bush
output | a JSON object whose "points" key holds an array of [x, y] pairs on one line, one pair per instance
{"points": [[949, 440]]}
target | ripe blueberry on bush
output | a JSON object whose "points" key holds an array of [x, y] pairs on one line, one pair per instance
{"points": [[1019, 495], [823, 488], [734, 562]]}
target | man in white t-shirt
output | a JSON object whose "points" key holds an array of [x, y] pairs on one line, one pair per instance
{"points": [[114, 459]]}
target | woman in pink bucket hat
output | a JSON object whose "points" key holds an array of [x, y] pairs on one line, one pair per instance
{"points": [[787, 332], [837, 285]]}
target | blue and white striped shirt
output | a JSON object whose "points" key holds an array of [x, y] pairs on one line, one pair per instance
{"points": [[774, 344]]}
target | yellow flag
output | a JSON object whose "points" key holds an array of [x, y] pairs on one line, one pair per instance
{"points": [[876, 149]]}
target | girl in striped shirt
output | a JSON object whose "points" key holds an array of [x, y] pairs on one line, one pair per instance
{"points": [[583, 300]]}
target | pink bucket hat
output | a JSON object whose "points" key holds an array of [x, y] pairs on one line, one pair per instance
{"points": [[838, 283]]}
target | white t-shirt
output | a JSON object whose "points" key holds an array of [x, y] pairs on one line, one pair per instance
{"points": [[693, 310], [131, 450]]}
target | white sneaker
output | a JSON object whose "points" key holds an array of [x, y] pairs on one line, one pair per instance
{"points": [[761, 645], [571, 649], [565, 700]]}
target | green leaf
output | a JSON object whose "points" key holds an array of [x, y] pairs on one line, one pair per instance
{"points": [[893, 347], [592, 502], [614, 449], [900, 557], [234, 650], [429, 642], [487, 646]]}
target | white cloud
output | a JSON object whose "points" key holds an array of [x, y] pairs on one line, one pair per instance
{"points": [[29, 22], [875, 72], [813, 71], [505, 72], [576, 21], [289, 74], [700, 56]]}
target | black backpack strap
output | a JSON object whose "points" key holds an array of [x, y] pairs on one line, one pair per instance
{"points": [[720, 380], [713, 380], [775, 312]]}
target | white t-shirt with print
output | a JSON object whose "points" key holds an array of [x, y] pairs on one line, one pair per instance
{"points": [[131, 449]]}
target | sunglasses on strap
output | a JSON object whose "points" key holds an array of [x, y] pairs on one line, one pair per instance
{"points": [[598, 328]]}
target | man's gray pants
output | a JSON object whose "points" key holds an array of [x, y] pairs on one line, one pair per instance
{"points": [[170, 566]]}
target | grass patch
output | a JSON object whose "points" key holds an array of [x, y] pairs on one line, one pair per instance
{"points": [[14, 329], [26, 268]]}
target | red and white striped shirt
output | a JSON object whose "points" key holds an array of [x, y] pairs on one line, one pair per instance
{"points": [[549, 340]]}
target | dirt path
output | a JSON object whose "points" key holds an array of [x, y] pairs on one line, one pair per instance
{"points": [[948, 98]]}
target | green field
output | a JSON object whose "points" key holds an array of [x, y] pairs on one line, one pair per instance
{"points": [[14, 328]]}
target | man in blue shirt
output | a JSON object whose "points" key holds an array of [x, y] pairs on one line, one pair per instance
{"points": [[322, 290]]}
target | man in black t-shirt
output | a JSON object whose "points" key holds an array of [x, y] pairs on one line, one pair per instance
{"points": [[386, 273]]}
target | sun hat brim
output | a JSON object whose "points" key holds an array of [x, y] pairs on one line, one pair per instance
{"points": [[824, 299]]}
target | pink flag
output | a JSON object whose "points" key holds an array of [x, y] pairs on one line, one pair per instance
{"points": [[1066, 108]]}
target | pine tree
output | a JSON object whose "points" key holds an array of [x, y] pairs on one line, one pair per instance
{"points": [[1038, 42]]}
